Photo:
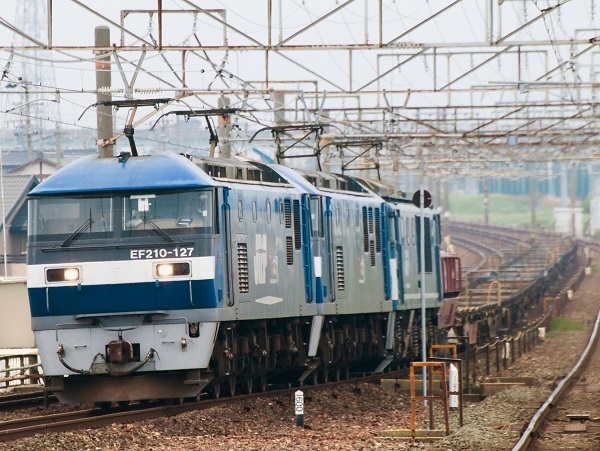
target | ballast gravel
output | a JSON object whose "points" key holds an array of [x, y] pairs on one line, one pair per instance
{"points": [[353, 417]]}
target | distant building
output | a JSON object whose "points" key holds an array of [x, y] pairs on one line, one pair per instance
{"points": [[13, 223], [40, 167]]}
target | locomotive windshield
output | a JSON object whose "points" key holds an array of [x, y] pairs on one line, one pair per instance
{"points": [[172, 213], [76, 219], [63, 218]]}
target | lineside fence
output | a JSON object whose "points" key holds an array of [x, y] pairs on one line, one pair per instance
{"points": [[19, 371], [493, 357]]}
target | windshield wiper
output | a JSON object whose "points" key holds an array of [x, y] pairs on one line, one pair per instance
{"points": [[157, 229], [77, 233]]}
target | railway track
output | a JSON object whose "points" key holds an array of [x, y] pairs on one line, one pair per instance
{"points": [[25, 399], [566, 416], [96, 417], [88, 418], [512, 271]]}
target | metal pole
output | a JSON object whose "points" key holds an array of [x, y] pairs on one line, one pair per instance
{"points": [[280, 22], [104, 119], [224, 129], [3, 212], [422, 270], [533, 199], [486, 203], [28, 125], [446, 209], [573, 199]]}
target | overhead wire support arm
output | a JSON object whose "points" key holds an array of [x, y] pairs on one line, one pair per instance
{"points": [[207, 113], [134, 104], [277, 131], [372, 144]]}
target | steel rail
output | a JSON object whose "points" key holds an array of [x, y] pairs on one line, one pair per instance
{"points": [[82, 419], [21, 399], [565, 384]]}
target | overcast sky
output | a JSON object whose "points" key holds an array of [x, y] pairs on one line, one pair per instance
{"points": [[455, 30]]}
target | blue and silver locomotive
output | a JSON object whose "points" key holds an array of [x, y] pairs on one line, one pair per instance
{"points": [[164, 276]]}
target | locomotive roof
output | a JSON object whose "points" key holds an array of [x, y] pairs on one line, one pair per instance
{"points": [[94, 174], [378, 187], [293, 176], [239, 171], [316, 182]]}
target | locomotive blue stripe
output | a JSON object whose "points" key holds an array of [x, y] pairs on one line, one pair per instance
{"points": [[122, 298]]}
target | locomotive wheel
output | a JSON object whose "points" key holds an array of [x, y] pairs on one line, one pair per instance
{"points": [[248, 385], [323, 373], [345, 370], [337, 373], [214, 391], [229, 386], [261, 383]]}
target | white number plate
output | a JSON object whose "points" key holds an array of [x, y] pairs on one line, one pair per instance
{"points": [[136, 254]]}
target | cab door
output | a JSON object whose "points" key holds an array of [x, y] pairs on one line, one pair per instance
{"points": [[393, 276], [320, 225]]}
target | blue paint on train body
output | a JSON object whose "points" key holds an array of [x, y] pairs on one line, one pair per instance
{"points": [[122, 298]]}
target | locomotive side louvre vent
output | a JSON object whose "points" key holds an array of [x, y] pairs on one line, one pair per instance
{"points": [[297, 236], [339, 268], [370, 220], [287, 211], [377, 231], [244, 286], [289, 249], [372, 252], [365, 229]]}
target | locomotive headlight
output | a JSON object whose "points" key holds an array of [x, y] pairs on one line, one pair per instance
{"points": [[172, 269], [164, 270], [63, 274], [71, 274]]}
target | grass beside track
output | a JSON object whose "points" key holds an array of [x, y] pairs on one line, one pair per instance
{"points": [[506, 210], [561, 324]]}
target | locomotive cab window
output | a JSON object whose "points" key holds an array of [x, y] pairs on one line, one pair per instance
{"points": [[427, 236], [316, 228], [70, 219], [171, 213], [391, 227]]}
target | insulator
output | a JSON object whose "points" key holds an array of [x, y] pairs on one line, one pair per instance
{"points": [[147, 90], [109, 90]]}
